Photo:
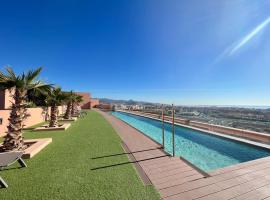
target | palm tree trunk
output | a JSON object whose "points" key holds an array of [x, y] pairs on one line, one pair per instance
{"points": [[72, 109], [53, 118], [76, 109], [14, 140], [68, 111]]}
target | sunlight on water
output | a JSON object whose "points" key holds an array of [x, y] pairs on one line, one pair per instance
{"points": [[205, 151]]}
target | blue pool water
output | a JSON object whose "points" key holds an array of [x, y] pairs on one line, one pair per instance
{"points": [[205, 151]]}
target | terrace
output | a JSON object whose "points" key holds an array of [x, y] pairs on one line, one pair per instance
{"points": [[102, 157], [183, 109], [176, 178], [72, 166]]}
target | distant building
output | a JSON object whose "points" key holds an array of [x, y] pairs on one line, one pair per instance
{"points": [[94, 103], [105, 106], [136, 107], [87, 102], [121, 107]]}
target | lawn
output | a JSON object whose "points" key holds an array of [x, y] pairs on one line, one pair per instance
{"points": [[69, 168]]}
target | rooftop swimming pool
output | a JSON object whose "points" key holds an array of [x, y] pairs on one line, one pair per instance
{"points": [[205, 151]]}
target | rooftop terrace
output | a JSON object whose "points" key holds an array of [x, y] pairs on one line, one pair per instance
{"points": [[96, 160], [71, 166]]}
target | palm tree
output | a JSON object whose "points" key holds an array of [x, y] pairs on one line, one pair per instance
{"points": [[76, 100], [54, 99], [39, 99], [19, 86], [70, 96]]}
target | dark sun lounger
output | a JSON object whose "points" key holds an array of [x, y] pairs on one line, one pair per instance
{"points": [[7, 159]]}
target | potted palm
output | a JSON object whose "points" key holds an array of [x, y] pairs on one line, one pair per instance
{"points": [[70, 103], [75, 103], [19, 86], [69, 97], [54, 99]]}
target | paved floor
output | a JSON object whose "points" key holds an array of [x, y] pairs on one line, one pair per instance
{"points": [[176, 179]]}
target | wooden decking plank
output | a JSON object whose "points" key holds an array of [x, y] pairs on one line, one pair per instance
{"points": [[222, 180], [171, 161], [195, 194], [238, 190], [171, 172], [177, 181], [139, 169], [170, 175], [259, 193], [169, 166]]}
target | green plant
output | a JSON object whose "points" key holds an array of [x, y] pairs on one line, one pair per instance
{"points": [[75, 103], [20, 86], [54, 99]]}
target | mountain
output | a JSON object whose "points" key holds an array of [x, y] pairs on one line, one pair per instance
{"points": [[134, 102], [126, 102]]}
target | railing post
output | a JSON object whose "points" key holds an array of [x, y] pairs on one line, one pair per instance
{"points": [[173, 143], [163, 143]]}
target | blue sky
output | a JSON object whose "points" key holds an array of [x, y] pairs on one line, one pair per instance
{"points": [[184, 52]]}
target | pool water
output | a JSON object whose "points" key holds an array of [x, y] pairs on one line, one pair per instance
{"points": [[207, 152]]}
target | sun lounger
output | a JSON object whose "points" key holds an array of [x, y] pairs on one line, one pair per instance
{"points": [[7, 159], [82, 113]]}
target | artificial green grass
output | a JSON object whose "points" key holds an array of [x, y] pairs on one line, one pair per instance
{"points": [[64, 169]]}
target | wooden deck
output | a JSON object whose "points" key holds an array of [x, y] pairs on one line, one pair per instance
{"points": [[176, 179]]}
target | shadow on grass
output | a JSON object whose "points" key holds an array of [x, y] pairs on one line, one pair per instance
{"points": [[10, 168], [119, 154], [28, 129], [130, 162]]}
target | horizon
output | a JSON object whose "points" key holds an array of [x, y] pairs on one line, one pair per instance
{"points": [[193, 105], [182, 52]]}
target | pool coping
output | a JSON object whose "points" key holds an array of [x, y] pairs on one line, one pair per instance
{"points": [[242, 140]]}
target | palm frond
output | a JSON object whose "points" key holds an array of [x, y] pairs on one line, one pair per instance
{"points": [[8, 80], [11, 73], [32, 75]]}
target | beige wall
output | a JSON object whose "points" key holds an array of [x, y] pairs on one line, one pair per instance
{"points": [[8, 100], [4, 114], [37, 115], [87, 103]]}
